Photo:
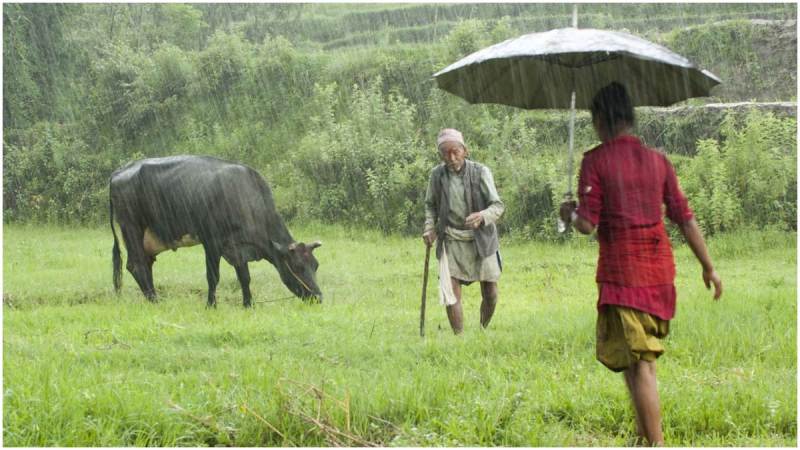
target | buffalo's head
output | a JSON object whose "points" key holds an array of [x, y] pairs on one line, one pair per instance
{"points": [[298, 269]]}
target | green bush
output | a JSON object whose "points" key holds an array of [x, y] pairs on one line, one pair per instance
{"points": [[708, 186], [112, 100], [221, 65], [280, 77], [153, 97], [50, 176], [366, 166], [749, 178], [467, 37]]}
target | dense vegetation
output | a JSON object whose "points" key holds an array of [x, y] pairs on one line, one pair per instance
{"points": [[335, 105]]}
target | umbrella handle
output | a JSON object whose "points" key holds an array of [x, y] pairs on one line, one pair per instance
{"points": [[568, 195], [561, 226], [575, 15], [571, 142]]}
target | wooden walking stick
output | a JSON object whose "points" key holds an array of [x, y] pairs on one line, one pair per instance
{"points": [[424, 291]]}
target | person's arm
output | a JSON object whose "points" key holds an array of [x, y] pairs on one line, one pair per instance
{"points": [[495, 207], [585, 218], [694, 238], [679, 212], [583, 225]]}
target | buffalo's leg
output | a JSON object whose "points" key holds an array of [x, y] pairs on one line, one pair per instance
{"points": [[139, 264], [243, 273], [212, 275], [149, 274]]}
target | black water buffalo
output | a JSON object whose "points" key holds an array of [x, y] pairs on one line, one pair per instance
{"points": [[179, 201]]}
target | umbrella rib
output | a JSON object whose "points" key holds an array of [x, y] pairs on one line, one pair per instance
{"points": [[587, 60], [483, 89], [554, 60]]}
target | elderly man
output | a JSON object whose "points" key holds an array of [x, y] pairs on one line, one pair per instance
{"points": [[461, 208]]}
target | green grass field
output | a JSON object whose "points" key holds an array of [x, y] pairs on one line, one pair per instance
{"points": [[84, 367]]}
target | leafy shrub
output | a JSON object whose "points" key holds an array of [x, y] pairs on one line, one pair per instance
{"points": [[748, 178], [714, 203], [366, 165], [182, 24], [153, 96], [280, 79], [113, 98], [170, 73], [467, 37], [50, 176], [221, 65]]}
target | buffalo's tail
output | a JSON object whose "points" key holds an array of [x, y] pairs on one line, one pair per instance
{"points": [[116, 259]]}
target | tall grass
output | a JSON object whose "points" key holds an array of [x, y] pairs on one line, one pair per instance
{"points": [[83, 367]]}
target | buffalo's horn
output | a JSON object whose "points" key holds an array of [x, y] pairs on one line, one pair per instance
{"points": [[314, 245], [292, 246]]}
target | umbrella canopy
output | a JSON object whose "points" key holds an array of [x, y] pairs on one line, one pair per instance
{"points": [[541, 70]]}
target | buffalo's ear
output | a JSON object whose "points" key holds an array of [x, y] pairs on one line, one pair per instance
{"points": [[314, 245]]}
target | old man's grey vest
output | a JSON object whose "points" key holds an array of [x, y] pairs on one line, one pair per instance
{"points": [[486, 241]]}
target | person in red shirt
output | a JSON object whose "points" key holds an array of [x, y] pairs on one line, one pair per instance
{"points": [[622, 189]]}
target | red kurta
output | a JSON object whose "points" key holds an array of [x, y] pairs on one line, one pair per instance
{"points": [[622, 188]]}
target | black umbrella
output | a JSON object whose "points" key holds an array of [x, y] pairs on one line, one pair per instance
{"points": [[542, 70], [567, 66]]}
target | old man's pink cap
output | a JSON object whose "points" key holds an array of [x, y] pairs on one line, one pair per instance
{"points": [[449, 134]]}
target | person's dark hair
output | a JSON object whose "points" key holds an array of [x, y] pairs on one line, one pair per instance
{"points": [[613, 107]]}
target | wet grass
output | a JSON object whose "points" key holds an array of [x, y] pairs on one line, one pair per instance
{"points": [[84, 367]]}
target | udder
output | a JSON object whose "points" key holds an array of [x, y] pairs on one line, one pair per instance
{"points": [[154, 246]]}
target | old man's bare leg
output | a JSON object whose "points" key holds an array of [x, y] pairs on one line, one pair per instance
{"points": [[489, 294], [455, 313]]}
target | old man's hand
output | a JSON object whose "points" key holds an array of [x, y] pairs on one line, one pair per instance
{"points": [[474, 220], [566, 209], [429, 237]]}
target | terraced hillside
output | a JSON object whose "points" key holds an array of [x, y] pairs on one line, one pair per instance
{"points": [[310, 93]]}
